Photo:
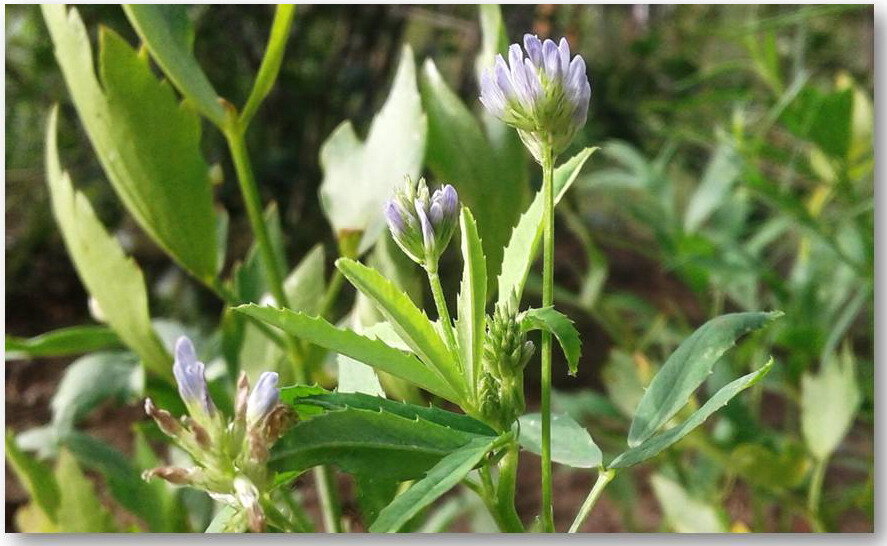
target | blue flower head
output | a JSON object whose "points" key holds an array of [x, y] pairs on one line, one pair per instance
{"points": [[544, 95], [423, 223], [189, 374]]}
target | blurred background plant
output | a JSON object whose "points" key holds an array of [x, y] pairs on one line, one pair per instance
{"points": [[735, 173]]}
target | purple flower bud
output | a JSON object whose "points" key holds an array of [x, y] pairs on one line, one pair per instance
{"points": [[395, 218], [421, 222], [189, 374], [263, 398], [427, 229], [543, 94]]}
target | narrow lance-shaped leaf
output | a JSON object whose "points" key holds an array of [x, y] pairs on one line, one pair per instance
{"points": [[559, 325], [147, 141], [688, 367], [526, 237], [113, 279], [34, 476], [410, 323], [440, 479], [168, 33], [653, 446], [62, 342], [372, 352], [471, 324]]}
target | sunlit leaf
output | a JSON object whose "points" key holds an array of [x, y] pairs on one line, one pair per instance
{"points": [[62, 342], [471, 323], [829, 400], [571, 444]]}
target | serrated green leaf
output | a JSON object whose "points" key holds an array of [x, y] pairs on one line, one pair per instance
{"points": [[653, 446], [35, 477], [441, 478], [368, 442], [829, 400], [359, 176], [62, 342], [410, 323], [147, 142], [80, 510], [571, 444], [559, 325], [684, 513], [688, 367], [109, 275], [496, 193], [526, 237], [472, 300], [90, 381], [301, 395], [167, 32], [372, 352]]}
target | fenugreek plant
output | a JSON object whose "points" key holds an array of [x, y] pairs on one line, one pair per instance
{"points": [[419, 400]]}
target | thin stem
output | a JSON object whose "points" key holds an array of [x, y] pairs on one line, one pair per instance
{"points": [[547, 300], [815, 493], [332, 292], [442, 311], [506, 488], [329, 500], [603, 478]]}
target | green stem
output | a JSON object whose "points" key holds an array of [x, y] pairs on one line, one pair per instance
{"points": [[603, 478], [506, 489], [332, 292], [547, 300], [280, 31], [442, 312], [329, 500], [815, 493]]}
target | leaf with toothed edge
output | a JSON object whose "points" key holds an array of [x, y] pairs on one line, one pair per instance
{"points": [[410, 322], [472, 299], [561, 327], [526, 237], [363, 349]]}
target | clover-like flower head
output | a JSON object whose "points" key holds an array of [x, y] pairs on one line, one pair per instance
{"points": [[423, 223], [543, 94]]}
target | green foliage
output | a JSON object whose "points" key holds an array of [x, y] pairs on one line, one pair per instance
{"points": [[37, 480], [472, 300], [687, 368], [62, 342], [829, 400], [110, 277], [570, 443], [80, 510], [684, 513], [147, 142], [561, 327]]}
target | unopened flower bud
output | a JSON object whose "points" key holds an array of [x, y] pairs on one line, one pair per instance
{"points": [[190, 376], [263, 398], [422, 223], [164, 420], [172, 474], [248, 497], [200, 435], [544, 95]]}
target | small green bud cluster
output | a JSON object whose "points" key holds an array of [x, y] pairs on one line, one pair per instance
{"points": [[505, 355], [423, 223], [230, 457]]}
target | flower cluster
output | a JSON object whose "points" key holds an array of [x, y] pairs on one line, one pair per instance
{"points": [[422, 223], [544, 95], [505, 354], [230, 458]]}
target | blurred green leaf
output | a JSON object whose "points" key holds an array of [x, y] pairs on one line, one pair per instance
{"points": [[571, 444], [227, 520], [148, 143], [687, 368], [444, 476], [35, 478], [62, 342], [561, 327], [823, 118], [168, 33], [684, 513], [91, 380], [113, 279], [361, 348], [829, 400], [472, 300], [80, 510], [785, 469], [623, 382], [656, 444], [526, 237], [720, 176], [358, 177]]}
